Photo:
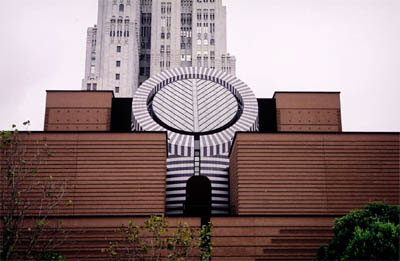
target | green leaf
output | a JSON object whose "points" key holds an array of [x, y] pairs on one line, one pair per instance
{"points": [[366, 234], [40, 223]]}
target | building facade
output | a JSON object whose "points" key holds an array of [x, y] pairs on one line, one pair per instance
{"points": [[134, 40], [112, 48], [201, 110], [286, 186], [183, 33], [279, 169]]}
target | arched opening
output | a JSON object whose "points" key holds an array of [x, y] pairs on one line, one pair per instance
{"points": [[198, 197], [121, 7]]}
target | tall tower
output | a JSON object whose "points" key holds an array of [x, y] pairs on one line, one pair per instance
{"points": [[135, 39], [183, 33], [112, 51]]}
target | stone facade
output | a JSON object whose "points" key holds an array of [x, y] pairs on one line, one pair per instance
{"points": [[186, 33], [135, 40], [112, 51]]}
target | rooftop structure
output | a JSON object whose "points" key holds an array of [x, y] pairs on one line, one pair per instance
{"points": [[283, 186], [134, 40], [201, 110]]}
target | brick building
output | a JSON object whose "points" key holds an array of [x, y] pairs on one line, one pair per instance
{"points": [[287, 177]]}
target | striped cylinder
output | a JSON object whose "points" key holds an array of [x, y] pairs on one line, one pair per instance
{"points": [[189, 102]]}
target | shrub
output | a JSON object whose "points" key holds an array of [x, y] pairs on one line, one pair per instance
{"points": [[151, 241], [369, 234]]}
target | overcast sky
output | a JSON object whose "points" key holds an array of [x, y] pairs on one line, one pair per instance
{"points": [[351, 46]]}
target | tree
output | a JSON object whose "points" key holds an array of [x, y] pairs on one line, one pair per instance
{"points": [[369, 234], [152, 241], [28, 199]]}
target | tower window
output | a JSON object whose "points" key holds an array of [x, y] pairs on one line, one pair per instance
{"points": [[121, 7], [163, 8], [118, 49], [169, 7], [116, 89], [88, 86], [94, 86], [118, 63], [199, 14], [205, 13], [117, 76]]}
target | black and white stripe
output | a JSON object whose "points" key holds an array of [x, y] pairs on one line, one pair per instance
{"points": [[196, 100]]}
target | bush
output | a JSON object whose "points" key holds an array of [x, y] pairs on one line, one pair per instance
{"points": [[369, 234], [28, 198], [49, 256], [151, 241]]}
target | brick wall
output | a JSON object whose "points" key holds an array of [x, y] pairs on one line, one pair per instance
{"points": [[307, 174], [269, 238], [78, 111], [103, 173], [308, 112]]}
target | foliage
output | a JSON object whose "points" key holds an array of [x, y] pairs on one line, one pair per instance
{"points": [[182, 242], [369, 234], [50, 256], [206, 246], [153, 241], [28, 198]]}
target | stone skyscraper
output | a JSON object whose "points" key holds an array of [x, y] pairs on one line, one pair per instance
{"points": [[134, 40], [112, 52], [183, 33]]}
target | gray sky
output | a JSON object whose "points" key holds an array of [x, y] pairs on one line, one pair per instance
{"points": [[351, 46]]}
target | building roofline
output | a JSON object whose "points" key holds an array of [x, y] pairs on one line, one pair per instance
{"points": [[311, 132], [130, 216], [94, 132], [78, 91], [311, 92], [106, 91]]}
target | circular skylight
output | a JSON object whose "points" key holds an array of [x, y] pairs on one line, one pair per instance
{"points": [[191, 101], [195, 106]]}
